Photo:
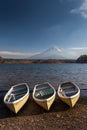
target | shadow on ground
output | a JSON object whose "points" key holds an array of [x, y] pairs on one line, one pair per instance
{"points": [[31, 108]]}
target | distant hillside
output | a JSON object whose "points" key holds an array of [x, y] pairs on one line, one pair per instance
{"points": [[1, 59], [33, 61], [82, 59]]}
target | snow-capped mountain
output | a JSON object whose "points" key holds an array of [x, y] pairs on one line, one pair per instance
{"points": [[51, 53]]}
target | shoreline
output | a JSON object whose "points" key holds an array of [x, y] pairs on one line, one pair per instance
{"points": [[33, 117], [81, 59], [35, 61]]}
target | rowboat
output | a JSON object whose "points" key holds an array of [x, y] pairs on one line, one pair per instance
{"points": [[69, 93], [16, 97], [44, 95]]}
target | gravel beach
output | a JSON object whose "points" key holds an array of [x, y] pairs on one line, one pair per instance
{"points": [[33, 117]]}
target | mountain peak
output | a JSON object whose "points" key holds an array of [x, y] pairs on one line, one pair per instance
{"points": [[51, 53], [55, 48]]}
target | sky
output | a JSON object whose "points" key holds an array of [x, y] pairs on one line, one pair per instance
{"points": [[28, 27]]}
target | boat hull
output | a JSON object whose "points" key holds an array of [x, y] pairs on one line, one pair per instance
{"points": [[16, 97], [48, 91], [15, 107], [46, 104], [70, 101]]}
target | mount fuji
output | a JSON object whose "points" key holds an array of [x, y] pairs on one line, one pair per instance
{"points": [[51, 53]]}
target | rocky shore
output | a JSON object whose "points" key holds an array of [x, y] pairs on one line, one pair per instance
{"points": [[33, 117]]}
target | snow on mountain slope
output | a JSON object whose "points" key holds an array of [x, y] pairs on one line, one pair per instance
{"points": [[51, 53]]}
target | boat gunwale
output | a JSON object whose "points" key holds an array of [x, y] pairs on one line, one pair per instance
{"points": [[9, 92], [43, 100]]}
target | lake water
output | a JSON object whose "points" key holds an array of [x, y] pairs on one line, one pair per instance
{"points": [[32, 74]]}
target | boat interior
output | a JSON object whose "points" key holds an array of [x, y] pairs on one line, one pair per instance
{"points": [[43, 92], [68, 89], [17, 93]]}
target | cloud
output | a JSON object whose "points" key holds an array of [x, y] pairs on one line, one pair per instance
{"points": [[70, 53], [19, 54], [74, 52], [82, 10], [78, 48]]}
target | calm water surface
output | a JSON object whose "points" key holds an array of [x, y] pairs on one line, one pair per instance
{"points": [[11, 74]]}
